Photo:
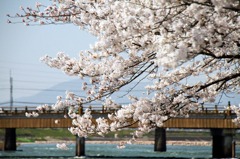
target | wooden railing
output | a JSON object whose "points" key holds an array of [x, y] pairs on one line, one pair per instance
{"points": [[22, 110], [103, 109]]}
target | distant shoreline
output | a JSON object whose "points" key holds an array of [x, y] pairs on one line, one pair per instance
{"points": [[140, 142]]}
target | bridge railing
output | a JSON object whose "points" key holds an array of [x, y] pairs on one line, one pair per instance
{"points": [[205, 109], [215, 109], [23, 110]]}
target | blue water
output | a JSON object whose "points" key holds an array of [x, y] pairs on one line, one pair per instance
{"points": [[110, 151]]}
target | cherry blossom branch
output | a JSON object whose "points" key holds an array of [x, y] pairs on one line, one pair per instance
{"points": [[188, 50], [225, 79]]}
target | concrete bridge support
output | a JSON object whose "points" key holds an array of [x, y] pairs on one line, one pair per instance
{"points": [[10, 139], [222, 143], [80, 146], [160, 140]]}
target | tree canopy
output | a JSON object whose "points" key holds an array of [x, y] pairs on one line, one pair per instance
{"points": [[188, 49]]}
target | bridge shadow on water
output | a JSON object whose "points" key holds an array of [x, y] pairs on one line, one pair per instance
{"points": [[95, 157]]}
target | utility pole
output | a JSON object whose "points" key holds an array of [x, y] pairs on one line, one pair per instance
{"points": [[11, 91], [10, 133]]}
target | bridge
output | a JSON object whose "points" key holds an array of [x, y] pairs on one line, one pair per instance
{"points": [[218, 121]]}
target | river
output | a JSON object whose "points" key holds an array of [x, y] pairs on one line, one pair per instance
{"points": [[39, 151]]}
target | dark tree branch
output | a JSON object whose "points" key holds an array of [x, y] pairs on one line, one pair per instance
{"points": [[225, 79]]}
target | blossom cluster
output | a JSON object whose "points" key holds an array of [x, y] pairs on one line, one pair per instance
{"points": [[62, 146], [31, 114], [188, 50]]}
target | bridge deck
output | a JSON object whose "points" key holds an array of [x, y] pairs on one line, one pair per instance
{"points": [[200, 123], [204, 120], [47, 122]]}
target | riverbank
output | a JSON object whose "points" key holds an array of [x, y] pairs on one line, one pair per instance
{"points": [[174, 137], [140, 142], [144, 142]]}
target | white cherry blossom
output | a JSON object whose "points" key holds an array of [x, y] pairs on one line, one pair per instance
{"points": [[167, 42], [31, 114], [62, 146]]}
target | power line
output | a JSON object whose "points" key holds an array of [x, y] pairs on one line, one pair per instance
{"points": [[28, 70], [42, 82], [63, 90], [3, 82], [4, 103], [4, 79], [21, 63], [41, 103], [4, 88], [5, 69], [49, 90], [36, 73], [41, 78], [23, 102], [38, 82]]}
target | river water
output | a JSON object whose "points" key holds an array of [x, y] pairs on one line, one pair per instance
{"points": [[93, 151]]}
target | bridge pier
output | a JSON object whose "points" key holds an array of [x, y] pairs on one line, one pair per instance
{"points": [[222, 143], [10, 139], [80, 146], [160, 140]]}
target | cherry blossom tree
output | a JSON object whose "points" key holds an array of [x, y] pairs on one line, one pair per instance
{"points": [[188, 49]]}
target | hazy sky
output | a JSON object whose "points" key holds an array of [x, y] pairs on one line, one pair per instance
{"points": [[22, 46]]}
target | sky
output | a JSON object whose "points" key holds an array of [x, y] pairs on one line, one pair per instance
{"points": [[21, 48]]}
